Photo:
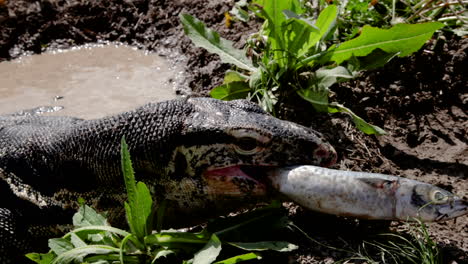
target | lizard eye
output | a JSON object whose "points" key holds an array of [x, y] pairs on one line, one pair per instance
{"points": [[439, 197], [247, 146], [249, 141]]}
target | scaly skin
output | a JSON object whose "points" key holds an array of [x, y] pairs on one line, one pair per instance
{"points": [[190, 152]]}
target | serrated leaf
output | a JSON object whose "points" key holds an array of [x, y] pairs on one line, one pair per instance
{"points": [[140, 204], [240, 258], [231, 91], [403, 39], [209, 252], [40, 258], [206, 38], [280, 246], [60, 245], [87, 216]]}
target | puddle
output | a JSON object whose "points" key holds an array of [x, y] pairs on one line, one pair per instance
{"points": [[91, 81]]}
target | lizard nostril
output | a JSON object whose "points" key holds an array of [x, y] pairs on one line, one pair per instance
{"points": [[321, 153], [327, 156]]}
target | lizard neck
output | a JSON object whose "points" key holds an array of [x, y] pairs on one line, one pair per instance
{"points": [[152, 132]]}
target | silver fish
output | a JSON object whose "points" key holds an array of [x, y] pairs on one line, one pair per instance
{"points": [[366, 195]]}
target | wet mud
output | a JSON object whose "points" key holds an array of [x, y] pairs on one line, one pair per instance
{"points": [[86, 81], [421, 101]]}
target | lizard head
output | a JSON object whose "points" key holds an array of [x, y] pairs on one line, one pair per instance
{"points": [[224, 146]]}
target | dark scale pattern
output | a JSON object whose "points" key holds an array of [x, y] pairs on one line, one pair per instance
{"points": [[47, 163]]}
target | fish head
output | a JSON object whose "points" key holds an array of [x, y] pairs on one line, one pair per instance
{"points": [[428, 203]]}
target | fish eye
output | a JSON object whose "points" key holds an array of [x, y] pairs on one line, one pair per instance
{"points": [[247, 146], [439, 197]]}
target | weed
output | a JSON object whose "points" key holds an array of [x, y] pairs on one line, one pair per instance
{"points": [[391, 248], [294, 54]]}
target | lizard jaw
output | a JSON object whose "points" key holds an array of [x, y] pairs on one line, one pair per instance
{"points": [[233, 182]]}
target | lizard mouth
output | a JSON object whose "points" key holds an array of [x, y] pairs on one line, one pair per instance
{"points": [[236, 181]]}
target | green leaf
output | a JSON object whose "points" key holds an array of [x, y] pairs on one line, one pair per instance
{"points": [[240, 258], [317, 97], [291, 15], [297, 32], [240, 13], [140, 204], [211, 41], [274, 10], [231, 91], [403, 39], [40, 258], [209, 252], [76, 241], [98, 229], [358, 121], [318, 84], [376, 59], [325, 22], [78, 254], [233, 76], [328, 77], [274, 26], [176, 239], [255, 224], [163, 253], [87, 216], [110, 259], [280, 246], [60, 245]]}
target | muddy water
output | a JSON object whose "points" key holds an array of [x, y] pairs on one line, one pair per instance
{"points": [[88, 82]]}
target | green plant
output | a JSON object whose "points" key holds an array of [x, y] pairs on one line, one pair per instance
{"points": [[354, 14], [94, 241], [419, 248], [293, 54]]}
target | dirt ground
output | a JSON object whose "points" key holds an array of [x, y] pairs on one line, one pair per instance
{"points": [[421, 101]]}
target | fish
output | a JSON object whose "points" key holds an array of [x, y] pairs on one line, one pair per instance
{"points": [[366, 195]]}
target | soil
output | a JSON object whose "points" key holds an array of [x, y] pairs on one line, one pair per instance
{"points": [[421, 102]]}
